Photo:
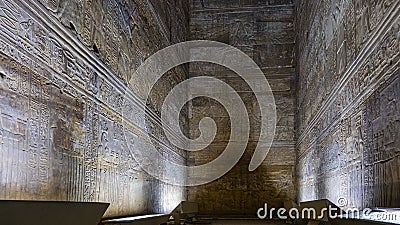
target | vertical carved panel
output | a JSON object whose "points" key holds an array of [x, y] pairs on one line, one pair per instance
{"points": [[362, 21], [358, 100], [264, 30], [382, 152], [61, 131]]}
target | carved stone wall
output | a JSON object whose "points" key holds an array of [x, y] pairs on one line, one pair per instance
{"points": [[64, 66], [264, 30], [348, 101]]}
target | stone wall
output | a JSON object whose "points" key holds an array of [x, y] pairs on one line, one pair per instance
{"points": [[264, 30], [64, 68], [348, 101]]}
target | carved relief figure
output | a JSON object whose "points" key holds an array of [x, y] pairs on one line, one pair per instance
{"points": [[362, 21], [342, 50], [57, 58], [93, 80]]}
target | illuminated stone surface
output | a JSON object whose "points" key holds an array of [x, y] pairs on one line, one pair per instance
{"points": [[348, 102], [61, 100], [333, 68], [265, 31]]}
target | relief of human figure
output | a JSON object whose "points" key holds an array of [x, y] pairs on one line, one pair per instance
{"points": [[362, 21]]}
